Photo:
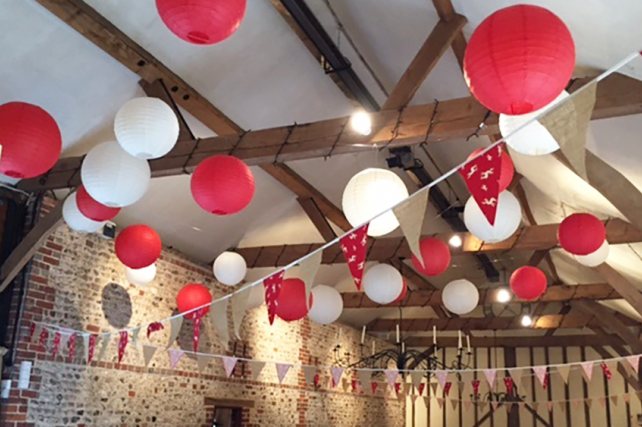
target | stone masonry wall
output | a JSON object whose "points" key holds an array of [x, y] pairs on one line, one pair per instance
{"points": [[77, 282]]}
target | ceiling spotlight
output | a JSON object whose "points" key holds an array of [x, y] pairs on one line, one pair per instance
{"points": [[503, 295], [527, 321], [455, 241], [361, 123]]}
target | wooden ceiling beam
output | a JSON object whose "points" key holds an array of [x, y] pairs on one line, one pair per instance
{"points": [[446, 13], [625, 288], [316, 216], [611, 320], [455, 119], [484, 342]]}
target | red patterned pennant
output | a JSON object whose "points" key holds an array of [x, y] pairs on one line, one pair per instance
{"points": [[122, 344], [508, 382], [422, 386], [355, 249], [476, 384], [154, 327], [92, 347], [397, 387], [354, 385], [71, 346], [374, 386], [607, 371], [317, 380], [198, 320], [44, 334], [272, 290], [447, 388], [32, 330], [56, 344], [482, 179]]}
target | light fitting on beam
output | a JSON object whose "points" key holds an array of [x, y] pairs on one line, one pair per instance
{"points": [[455, 241], [527, 321], [361, 122], [503, 295]]}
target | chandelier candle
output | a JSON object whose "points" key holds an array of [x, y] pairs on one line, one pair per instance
{"points": [[397, 333], [468, 343], [363, 335], [434, 335]]}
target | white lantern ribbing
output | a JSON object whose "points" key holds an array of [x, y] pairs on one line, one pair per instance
{"points": [[507, 220], [460, 296], [146, 128], [113, 177], [230, 268], [596, 258], [327, 306], [76, 220], [369, 193], [533, 139], [141, 276], [383, 284]]}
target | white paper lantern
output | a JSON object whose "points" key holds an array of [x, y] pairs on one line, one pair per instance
{"points": [[596, 258], [113, 177], [229, 268], [460, 297], [141, 276], [533, 139], [76, 220], [371, 192], [327, 306], [146, 128], [383, 284], [507, 220]]}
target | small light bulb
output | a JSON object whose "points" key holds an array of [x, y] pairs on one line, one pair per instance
{"points": [[361, 122], [527, 321], [503, 296], [455, 241]]}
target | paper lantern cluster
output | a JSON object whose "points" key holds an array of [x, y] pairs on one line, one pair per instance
{"points": [[75, 218]]}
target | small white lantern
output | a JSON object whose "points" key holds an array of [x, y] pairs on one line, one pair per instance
{"points": [[596, 258], [460, 297], [507, 220], [113, 177], [141, 276], [533, 139], [146, 128], [76, 220], [328, 305], [382, 284], [369, 193], [229, 268]]}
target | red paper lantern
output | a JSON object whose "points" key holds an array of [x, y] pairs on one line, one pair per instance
{"points": [[202, 22], [222, 185], [519, 59], [436, 255], [404, 292], [30, 139], [528, 282], [193, 296], [138, 246], [291, 303], [507, 171], [93, 209], [581, 234]]}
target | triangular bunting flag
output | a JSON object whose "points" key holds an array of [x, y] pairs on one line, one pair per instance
{"points": [[122, 344], [93, 340], [576, 403], [85, 346], [44, 335], [427, 401], [148, 353], [282, 370], [634, 361], [310, 371], [197, 319], [447, 388], [535, 405], [32, 330], [606, 371], [589, 402], [175, 327], [416, 377], [373, 386], [229, 363], [218, 317], [391, 376], [491, 375], [482, 179], [568, 123], [71, 346], [522, 406], [202, 360], [516, 375], [135, 333], [562, 405], [614, 399], [540, 373], [56, 344], [256, 367], [587, 368], [494, 404], [410, 215], [413, 398], [454, 403], [421, 388], [564, 371], [468, 404], [345, 384], [602, 402], [355, 385], [440, 402], [239, 306], [476, 384], [407, 388], [272, 291], [508, 406], [154, 327], [441, 376], [549, 405], [508, 382], [627, 398], [175, 356], [308, 270], [433, 387], [336, 372], [103, 348], [355, 248]]}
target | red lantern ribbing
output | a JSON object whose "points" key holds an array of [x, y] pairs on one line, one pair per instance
{"points": [[528, 283], [519, 59], [138, 246], [193, 296], [507, 171], [291, 303], [436, 255], [202, 22], [93, 209], [30, 139], [581, 234], [222, 185]]}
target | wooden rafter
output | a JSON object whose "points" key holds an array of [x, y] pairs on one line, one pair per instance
{"points": [[481, 342], [446, 13], [625, 288], [612, 321]]}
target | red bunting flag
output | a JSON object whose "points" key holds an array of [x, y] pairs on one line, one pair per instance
{"points": [[607, 371], [32, 330], [44, 334], [447, 388], [122, 344], [317, 380], [476, 384], [272, 291], [397, 388], [422, 386], [482, 179], [374, 385], [355, 248], [198, 320], [56, 344], [508, 382], [71, 346], [354, 385], [154, 327], [92, 347]]}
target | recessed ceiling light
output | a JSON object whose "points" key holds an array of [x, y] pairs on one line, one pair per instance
{"points": [[361, 123], [527, 321], [455, 241], [503, 295]]}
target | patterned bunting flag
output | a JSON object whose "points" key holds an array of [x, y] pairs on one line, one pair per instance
{"points": [[587, 368], [397, 388], [508, 382], [355, 248], [105, 339], [491, 375], [32, 330], [135, 333], [564, 371], [442, 377], [447, 388], [122, 344], [391, 376], [196, 336], [71, 347], [336, 373], [607, 371], [56, 344], [373, 386], [317, 380], [482, 179], [229, 363], [272, 291], [421, 388], [308, 269], [410, 215], [476, 384], [540, 373], [256, 367], [148, 353], [91, 347], [175, 356], [154, 327], [634, 361], [282, 370], [218, 317], [354, 384], [44, 334]]}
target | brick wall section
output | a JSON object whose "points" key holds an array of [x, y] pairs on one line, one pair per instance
{"points": [[77, 282]]}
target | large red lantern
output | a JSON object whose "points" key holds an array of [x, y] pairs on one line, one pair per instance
{"points": [[93, 209], [528, 283], [581, 234], [202, 21], [193, 296], [222, 185], [519, 59], [291, 303], [507, 171], [30, 139], [436, 255], [138, 246]]}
